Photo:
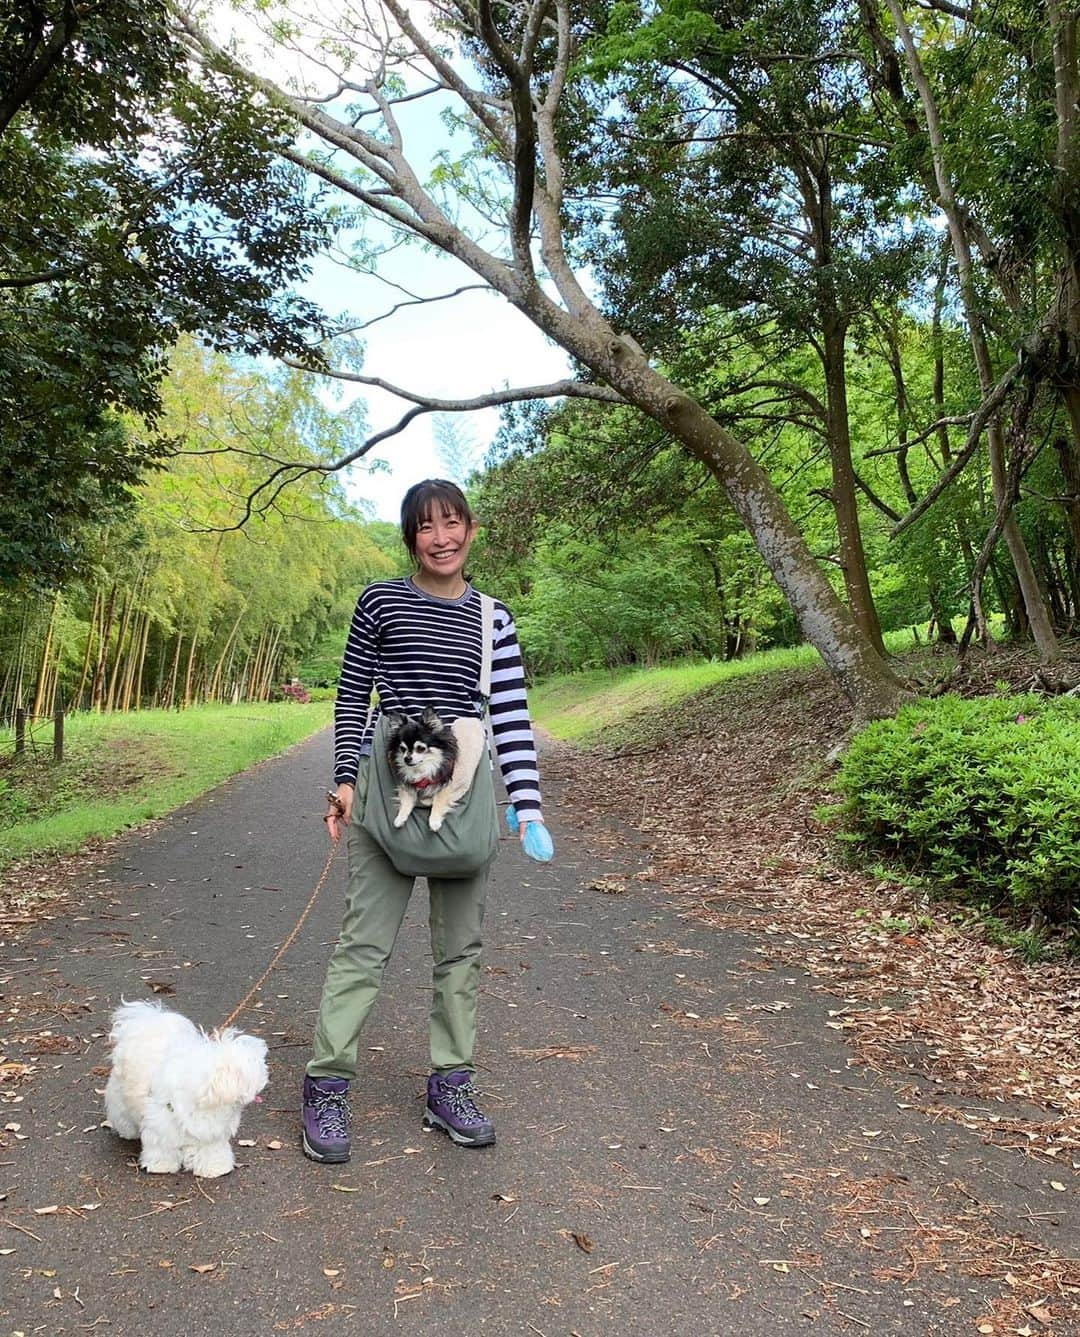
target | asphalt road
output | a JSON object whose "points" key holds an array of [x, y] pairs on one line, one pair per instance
{"points": [[683, 1143]]}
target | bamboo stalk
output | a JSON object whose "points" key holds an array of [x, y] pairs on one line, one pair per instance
{"points": [[46, 654], [118, 657], [215, 681], [94, 615], [170, 699], [190, 666], [132, 659], [271, 661], [97, 687], [142, 660]]}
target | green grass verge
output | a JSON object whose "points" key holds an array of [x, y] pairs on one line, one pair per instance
{"points": [[579, 707], [119, 770]]}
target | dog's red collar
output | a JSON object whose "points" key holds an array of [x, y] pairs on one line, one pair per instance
{"points": [[439, 778]]}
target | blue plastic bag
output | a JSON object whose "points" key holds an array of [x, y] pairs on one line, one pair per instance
{"points": [[538, 844]]}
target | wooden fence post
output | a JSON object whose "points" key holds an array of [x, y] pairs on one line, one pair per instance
{"points": [[58, 732], [20, 730]]}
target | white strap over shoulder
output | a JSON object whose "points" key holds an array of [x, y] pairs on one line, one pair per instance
{"points": [[487, 633]]}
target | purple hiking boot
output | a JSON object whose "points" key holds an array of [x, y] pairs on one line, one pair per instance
{"points": [[325, 1112], [450, 1107]]}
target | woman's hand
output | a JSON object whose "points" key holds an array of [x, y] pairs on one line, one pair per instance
{"points": [[340, 813]]}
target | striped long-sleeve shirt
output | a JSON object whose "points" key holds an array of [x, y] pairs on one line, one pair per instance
{"points": [[417, 650]]}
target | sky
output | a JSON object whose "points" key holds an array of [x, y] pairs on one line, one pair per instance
{"points": [[458, 348]]}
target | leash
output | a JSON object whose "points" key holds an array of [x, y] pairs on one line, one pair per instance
{"points": [[286, 944]]}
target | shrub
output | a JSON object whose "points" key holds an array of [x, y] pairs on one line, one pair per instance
{"points": [[295, 691], [14, 805], [983, 795]]}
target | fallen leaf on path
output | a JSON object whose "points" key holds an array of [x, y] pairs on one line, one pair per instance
{"points": [[611, 886], [583, 1242], [203, 1267]]}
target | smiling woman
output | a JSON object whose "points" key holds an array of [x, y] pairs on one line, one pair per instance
{"points": [[426, 642]]}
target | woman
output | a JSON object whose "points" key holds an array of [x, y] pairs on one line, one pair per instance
{"points": [[417, 641]]}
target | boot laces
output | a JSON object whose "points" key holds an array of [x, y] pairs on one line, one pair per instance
{"points": [[460, 1100], [332, 1112]]}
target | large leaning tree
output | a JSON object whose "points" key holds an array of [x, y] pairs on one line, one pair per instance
{"points": [[505, 73]]}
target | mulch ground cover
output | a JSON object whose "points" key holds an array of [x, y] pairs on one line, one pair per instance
{"points": [[727, 790]]}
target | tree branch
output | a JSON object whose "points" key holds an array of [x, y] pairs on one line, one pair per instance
{"points": [[263, 497], [414, 301], [519, 77], [983, 414], [492, 399]]}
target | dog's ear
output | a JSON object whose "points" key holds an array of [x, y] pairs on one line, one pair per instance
{"points": [[394, 722], [431, 719]]}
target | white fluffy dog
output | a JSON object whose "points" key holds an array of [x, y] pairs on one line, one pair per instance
{"points": [[180, 1090]]}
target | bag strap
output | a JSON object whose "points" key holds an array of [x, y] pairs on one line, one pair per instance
{"points": [[487, 631]]}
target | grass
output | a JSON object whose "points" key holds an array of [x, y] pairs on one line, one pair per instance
{"points": [[120, 770], [579, 707]]}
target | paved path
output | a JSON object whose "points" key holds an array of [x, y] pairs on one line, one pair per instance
{"points": [[682, 1144]]}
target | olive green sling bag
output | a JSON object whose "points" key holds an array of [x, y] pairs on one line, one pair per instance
{"points": [[467, 840]]}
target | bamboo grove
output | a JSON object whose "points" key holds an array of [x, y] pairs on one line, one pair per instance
{"points": [[176, 607]]}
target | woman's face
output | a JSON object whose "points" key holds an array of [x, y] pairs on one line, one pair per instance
{"points": [[443, 541]]}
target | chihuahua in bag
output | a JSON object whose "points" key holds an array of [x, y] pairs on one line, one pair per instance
{"points": [[432, 762]]}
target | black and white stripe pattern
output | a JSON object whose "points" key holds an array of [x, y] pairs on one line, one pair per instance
{"points": [[416, 650]]}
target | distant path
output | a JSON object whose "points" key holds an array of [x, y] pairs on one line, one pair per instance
{"points": [[682, 1145]]}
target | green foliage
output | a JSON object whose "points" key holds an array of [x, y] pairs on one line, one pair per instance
{"points": [[611, 707], [14, 804], [982, 795], [134, 206], [120, 770]]}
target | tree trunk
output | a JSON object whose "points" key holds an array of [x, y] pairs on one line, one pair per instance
{"points": [[845, 506], [1034, 603], [861, 671]]}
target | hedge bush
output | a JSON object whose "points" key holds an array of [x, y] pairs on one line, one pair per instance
{"points": [[982, 795]]}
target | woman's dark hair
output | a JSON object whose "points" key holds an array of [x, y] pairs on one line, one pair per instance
{"points": [[420, 501]]}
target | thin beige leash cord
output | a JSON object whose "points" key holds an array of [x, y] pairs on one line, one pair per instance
{"points": [[285, 945]]}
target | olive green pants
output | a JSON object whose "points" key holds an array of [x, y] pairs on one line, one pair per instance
{"points": [[376, 901]]}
